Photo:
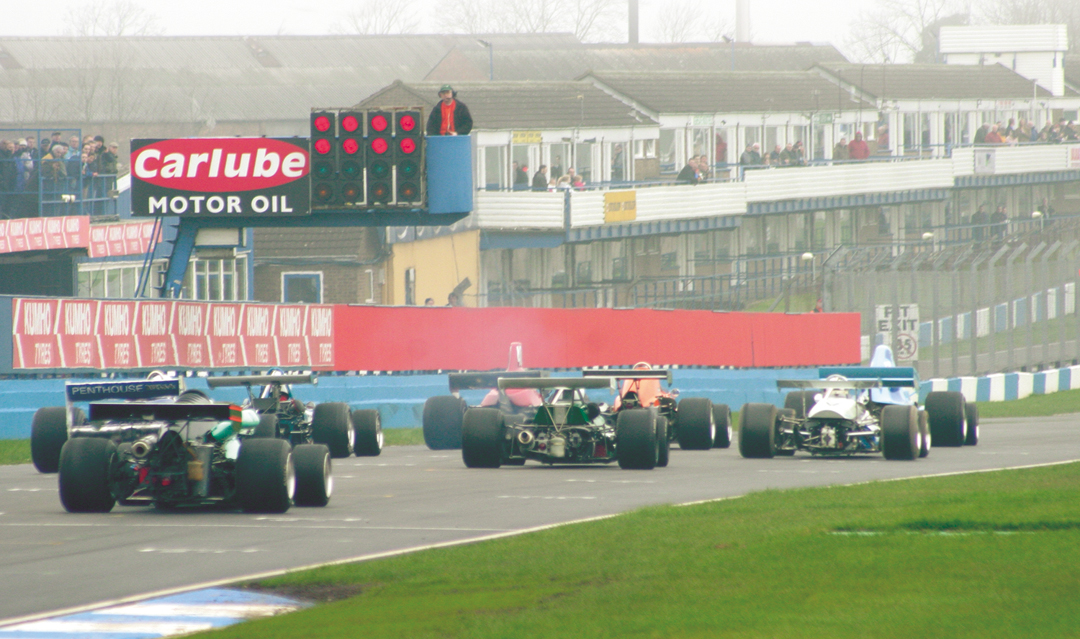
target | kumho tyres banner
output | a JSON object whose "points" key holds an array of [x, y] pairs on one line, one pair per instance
{"points": [[220, 177], [124, 334]]}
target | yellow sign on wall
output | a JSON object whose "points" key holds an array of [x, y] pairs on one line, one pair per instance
{"points": [[620, 206], [526, 137]]}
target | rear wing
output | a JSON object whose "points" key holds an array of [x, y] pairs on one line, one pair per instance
{"points": [[487, 381], [829, 383], [140, 389], [629, 373], [164, 412], [260, 380], [557, 382], [890, 376]]}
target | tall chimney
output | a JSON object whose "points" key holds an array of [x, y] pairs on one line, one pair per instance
{"points": [[742, 20], [633, 22]]}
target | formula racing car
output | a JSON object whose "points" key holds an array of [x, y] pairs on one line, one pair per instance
{"points": [[694, 422], [565, 429], [179, 448], [282, 415]]}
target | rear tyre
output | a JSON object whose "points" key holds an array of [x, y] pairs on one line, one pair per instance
{"points": [[663, 444], [900, 432], [635, 439], [331, 424], [85, 466], [267, 427], [722, 419], [971, 416], [369, 436], [800, 401], [48, 432], [482, 438], [757, 431], [695, 427], [946, 418], [790, 414], [265, 476], [442, 422], [314, 477], [924, 434]]}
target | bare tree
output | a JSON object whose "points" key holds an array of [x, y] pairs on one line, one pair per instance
{"points": [[468, 16], [689, 21], [380, 17], [596, 20], [110, 18], [1065, 12], [898, 30]]}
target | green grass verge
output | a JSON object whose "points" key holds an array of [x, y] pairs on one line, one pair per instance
{"points": [[981, 555], [1059, 403], [14, 451], [403, 436]]}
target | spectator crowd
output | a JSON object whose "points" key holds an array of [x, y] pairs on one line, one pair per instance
{"points": [[49, 174], [1026, 132]]}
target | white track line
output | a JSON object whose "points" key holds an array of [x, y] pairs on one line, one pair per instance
{"points": [[445, 544]]}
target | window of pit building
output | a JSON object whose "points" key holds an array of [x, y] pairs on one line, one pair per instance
{"points": [[216, 280], [669, 151], [410, 287], [116, 281], [495, 167], [302, 288]]}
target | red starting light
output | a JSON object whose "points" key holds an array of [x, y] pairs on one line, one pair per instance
{"points": [[379, 123], [380, 145], [408, 145], [322, 146], [350, 123], [322, 124], [350, 146], [407, 123]]}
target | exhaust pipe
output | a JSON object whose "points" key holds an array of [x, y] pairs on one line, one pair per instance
{"points": [[525, 437], [142, 447]]}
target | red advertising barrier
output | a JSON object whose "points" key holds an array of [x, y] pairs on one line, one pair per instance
{"points": [[116, 334], [425, 338], [108, 334]]}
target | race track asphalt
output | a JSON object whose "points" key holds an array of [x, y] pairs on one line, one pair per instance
{"points": [[408, 497]]}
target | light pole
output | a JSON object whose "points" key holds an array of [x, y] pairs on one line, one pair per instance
{"points": [[491, 58]]}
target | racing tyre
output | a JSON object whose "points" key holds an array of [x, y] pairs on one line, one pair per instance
{"points": [[800, 401], [663, 454], [331, 424], [85, 466], [267, 427], [790, 414], [442, 422], [482, 438], [757, 431], [900, 432], [695, 427], [369, 436], [946, 418], [924, 434], [971, 417], [265, 476], [314, 478], [635, 439], [48, 432], [722, 419]]}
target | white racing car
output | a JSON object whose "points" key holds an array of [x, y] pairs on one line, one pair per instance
{"points": [[858, 410]]}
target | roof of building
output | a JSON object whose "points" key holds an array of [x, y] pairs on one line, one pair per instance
{"points": [[565, 63], [730, 92], [934, 81], [504, 106]]}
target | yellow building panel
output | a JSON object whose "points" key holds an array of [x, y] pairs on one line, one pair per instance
{"points": [[620, 206], [439, 264]]}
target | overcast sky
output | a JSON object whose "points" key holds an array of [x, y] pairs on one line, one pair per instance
{"points": [[772, 20]]}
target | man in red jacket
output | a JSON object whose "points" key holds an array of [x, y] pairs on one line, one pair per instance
{"points": [[450, 116], [857, 148]]}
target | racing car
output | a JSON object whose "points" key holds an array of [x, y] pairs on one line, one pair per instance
{"points": [[169, 447], [443, 414], [861, 411], [283, 416], [694, 422], [565, 429]]}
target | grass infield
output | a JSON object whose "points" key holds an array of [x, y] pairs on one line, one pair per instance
{"points": [[981, 555]]}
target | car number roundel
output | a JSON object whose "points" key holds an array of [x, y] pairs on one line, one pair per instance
{"points": [[219, 165]]}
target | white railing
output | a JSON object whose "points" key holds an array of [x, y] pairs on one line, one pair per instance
{"points": [[520, 209]]}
